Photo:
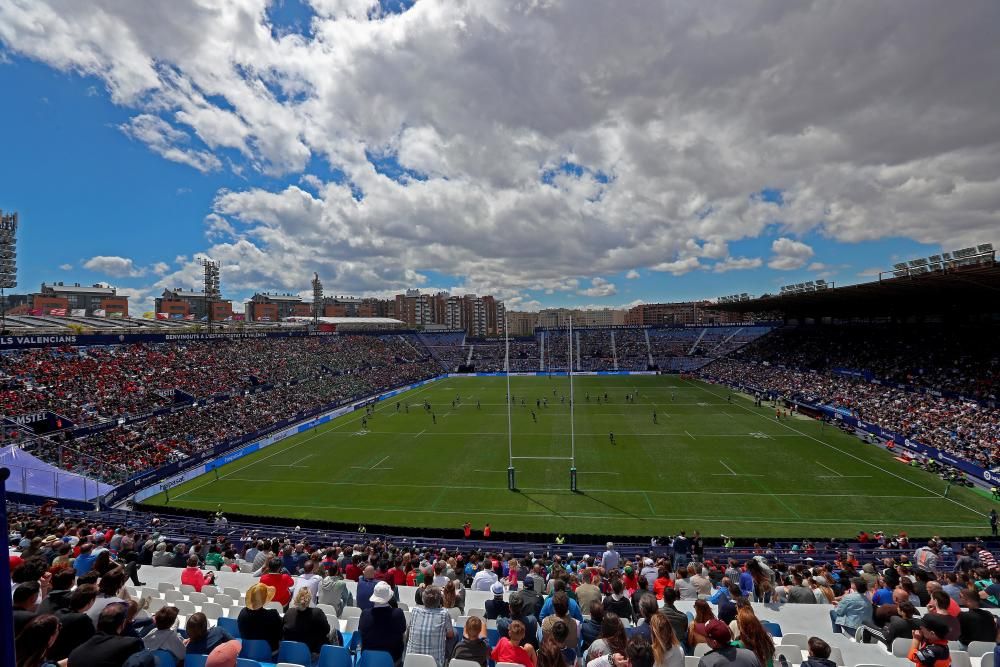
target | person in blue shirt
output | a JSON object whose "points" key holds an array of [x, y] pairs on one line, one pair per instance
{"points": [[85, 561], [547, 610], [883, 595]]}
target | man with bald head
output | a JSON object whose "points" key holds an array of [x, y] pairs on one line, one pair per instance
{"points": [[366, 586]]}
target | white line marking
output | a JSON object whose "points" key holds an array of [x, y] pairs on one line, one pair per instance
{"points": [[835, 473], [689, 435], [379, 463], [854, 456], [728, 468], [420, 434]]}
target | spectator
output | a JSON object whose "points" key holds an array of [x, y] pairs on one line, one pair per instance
{"points": [[610, 558], [485, 578], [201, 639], [723, 653], [560, 612], [590, 629], [853, 610], [25, 604], [108, 647], [333, 591], [430, 626], [161, 557], [62, 588], [929, 647], [473, 645], [383, 627], [308, 580], [531, 599], [306, 624], [454, 595], [193, 576], [977, 625], [639, 653], [819, 654], [275, 577], [616, 601], [509, 648], [519, 613], [677, 618], [552, 652], [753, 636], [35, 640], [366, 585], [256, 622], [496, 606], [662, 582], [667, 649], [612, 639], [702, 615], [163, 636], [109, 592], [76, 626], [559, 586]]}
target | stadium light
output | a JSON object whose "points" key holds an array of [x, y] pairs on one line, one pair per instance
{"points": [[212, 292], [8, 262]]}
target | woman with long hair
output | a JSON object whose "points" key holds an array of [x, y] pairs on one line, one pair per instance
{"points": [[763, 579], [753, 636], [702, 615], [612, 640], [667, 650], [34, 641]]}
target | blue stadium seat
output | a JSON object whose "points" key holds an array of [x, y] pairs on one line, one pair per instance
{"points": [[164, 658], [773, 628], [256, 649], [375, 659], [493, 637], [229, 625], [195, 660], [333, 656], [247, 662], [294, 652]]}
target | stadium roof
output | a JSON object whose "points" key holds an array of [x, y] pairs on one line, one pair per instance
{"points": [[963, 291]]}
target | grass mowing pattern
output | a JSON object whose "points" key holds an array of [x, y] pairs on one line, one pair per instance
{"points": [[711, 464]]}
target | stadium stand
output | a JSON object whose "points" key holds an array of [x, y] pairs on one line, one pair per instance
{"points": [[794, 591]]}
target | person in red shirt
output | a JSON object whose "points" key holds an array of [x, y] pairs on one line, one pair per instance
{"points": [[509, 648], [282, 583], [193, 576], [353, 570], [663, 581], [487, 532], [467, 530]]}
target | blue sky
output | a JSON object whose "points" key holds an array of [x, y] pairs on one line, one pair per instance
{"points": [[86, 189]]}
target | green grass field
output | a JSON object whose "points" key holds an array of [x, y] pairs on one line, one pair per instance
{"points": [[708, 464]]}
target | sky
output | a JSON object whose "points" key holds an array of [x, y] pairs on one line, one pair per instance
{"points": [[550, 152]]}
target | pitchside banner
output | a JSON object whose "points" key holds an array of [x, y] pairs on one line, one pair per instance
{"points": [[846, 417], [19, 342]]}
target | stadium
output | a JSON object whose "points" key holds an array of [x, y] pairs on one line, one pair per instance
{"points": [[388, 333]]}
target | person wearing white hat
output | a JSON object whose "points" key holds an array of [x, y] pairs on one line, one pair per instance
{"points": [[382, 626], [496, 606]]}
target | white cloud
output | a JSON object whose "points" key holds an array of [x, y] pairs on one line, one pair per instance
{"points": [[159, 268], [671, 150], [118, 267], [164, 139], [632, 274], [678, 267], [737, 264], [66, 267], [789, 254], [599, 287]]}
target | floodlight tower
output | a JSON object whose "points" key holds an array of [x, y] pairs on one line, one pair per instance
{"points": [[212, 292], [8, 262], [317, 298]]}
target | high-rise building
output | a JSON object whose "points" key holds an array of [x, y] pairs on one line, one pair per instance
{"points": [[478, 316], [79, 297], [266, 307], [602, 317], [679, 314], [179, 303]]}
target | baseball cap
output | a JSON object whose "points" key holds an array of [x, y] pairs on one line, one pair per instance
{"points": [[529, 580], [936, 624], [718, 631], [496, 588]]}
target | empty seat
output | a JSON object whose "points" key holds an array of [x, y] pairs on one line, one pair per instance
{"points": [[184, 607], [150, 593], [338, 656], [374, 659], [223, 599], [350, 612], [836, 655], [173, 596], [256, 649], [186, 588], [210, 591], [234, 593], [987, 660], [156, 604], [197, 598], [979, 649], [165, 586], [773, 629], [229, 625], [796, 639], [211, 610], [901, 647], [296, 653], [960, 659], [195, 660], [793, 654], [327, 609], [419, 660]]}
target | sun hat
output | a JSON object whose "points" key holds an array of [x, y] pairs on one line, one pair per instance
{"points": [[496, 588], [382, 593], [259, 595]]}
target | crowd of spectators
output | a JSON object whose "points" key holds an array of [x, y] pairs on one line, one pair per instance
{"points": [[293, 376], [70, 575], [946, 357], [962, 427]]}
